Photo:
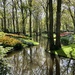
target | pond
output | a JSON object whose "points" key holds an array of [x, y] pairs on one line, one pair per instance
{"points": [[37, 61]]}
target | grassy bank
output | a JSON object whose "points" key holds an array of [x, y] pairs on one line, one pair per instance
{"points": [[14, 42]]}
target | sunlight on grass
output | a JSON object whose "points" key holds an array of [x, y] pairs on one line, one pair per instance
{"points": [[66, 51]]}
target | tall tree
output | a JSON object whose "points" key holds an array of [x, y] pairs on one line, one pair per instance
{"points": [[58, 24], [16, 8], [50, 34], [4, 9], [23, 19], [13, 15], [30, 20], [47, 6]]}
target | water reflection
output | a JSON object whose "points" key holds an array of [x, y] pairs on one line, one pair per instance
{"points": [[36, 61]]}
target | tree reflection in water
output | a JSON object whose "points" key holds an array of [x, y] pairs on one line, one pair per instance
{"points": [[36, 61]]}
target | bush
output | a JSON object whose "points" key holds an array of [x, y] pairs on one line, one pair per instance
{"points": [[18, 46], [65, 41], [7, 41]]}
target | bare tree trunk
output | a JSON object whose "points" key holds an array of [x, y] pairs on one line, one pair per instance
{"points": [[23, 20], [4, 6], [17, 25], [16, 14], [13, 16], [74, 20], [30, 20], [50, 34], [8, 24], [2, 24], [47, 16], [58, 24]]}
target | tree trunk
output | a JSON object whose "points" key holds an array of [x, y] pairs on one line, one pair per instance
{"points": [[23, 20], [8, 24], [30, 29], [4, 3], [47, 16], [13, 16], [50, 34], [2, 24], [58, 24], [17, 25], [74, 20]]}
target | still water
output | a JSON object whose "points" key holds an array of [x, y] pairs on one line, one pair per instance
{"points": [[37, 61]]}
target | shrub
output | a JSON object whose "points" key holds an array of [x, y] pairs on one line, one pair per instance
{"points": [[65, 41], [7, 41], [18, 46]]}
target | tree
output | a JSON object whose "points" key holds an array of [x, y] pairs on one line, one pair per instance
{"points": [[4, 8], [50, 34], [23, 20], [58, 24], [16, 7], [13, 16], [30, 20]]}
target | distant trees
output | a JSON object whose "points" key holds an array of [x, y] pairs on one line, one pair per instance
{"points": [[39, 16]]}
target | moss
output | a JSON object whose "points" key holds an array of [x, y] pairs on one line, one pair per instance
{"points": [[66, 51]]}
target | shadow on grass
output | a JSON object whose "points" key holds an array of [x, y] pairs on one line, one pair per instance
{"points": [[67, 52], [59, 53]]}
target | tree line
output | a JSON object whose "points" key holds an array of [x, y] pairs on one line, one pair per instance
{"points": [[28, 16]]}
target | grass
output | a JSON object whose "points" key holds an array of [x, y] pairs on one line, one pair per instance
{"points": [[16, 36], [66, 51], [29, 42], [14, 40]]}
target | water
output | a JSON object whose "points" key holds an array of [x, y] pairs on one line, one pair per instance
{"points": [[36, 61]]}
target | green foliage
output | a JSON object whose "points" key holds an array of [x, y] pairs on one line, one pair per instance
{"points": [[65, 41], [4, 68], [66, 51], [3, 51], [29, 42], [2, 34]]}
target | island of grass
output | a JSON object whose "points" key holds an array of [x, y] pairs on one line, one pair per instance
{"points": [[14, 42], [68, 46], [66, 51]]}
